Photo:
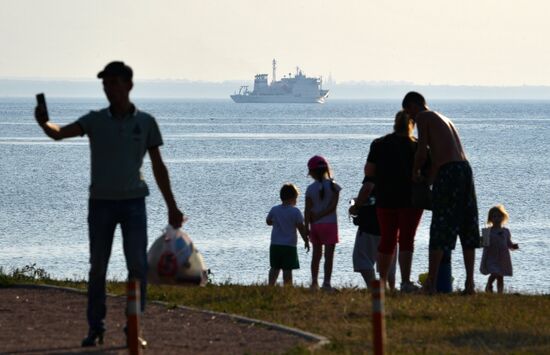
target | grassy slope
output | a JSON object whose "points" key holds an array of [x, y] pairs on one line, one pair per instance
{"points": [[450, 324], [415, 323]]}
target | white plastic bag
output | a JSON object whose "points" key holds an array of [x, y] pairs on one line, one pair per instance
{"points": [[173, 259], [485, 237]]}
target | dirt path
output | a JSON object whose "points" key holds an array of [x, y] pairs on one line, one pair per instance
{"points": [[52, 321]]}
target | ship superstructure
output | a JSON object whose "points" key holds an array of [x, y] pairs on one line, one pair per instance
{"points": [[290, 89]]}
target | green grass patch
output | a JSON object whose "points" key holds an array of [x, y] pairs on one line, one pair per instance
{"points": [[441, 324]]}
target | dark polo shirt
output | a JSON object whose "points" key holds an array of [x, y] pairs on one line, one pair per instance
{"points": [[117, 147]]}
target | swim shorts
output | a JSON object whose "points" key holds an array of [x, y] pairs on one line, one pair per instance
{"points": [[323, 233], [454, 208], [283, 257]]}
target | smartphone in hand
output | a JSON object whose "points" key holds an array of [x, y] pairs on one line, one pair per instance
{"points": [[41, 101]]}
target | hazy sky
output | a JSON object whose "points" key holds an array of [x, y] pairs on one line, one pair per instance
{"points": [[485, 42]]}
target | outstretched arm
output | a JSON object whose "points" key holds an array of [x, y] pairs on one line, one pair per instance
{"points": [[304, 233], [511, 244], [175, 216], [53, 130], [361, 198], [368, 185]]}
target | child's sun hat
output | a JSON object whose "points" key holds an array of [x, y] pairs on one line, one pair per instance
{"points": [[316, 162]]}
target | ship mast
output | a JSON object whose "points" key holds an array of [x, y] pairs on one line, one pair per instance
{"points": [[274, 71]]}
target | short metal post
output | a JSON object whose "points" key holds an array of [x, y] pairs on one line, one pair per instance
{"points": [[378, 321], [133, 313]]}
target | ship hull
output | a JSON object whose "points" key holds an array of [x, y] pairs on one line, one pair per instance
{"points": [[283, 99]]}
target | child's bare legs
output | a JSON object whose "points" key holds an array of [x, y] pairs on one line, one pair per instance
{"points": [[273, 275], [287, 277], [500, 284], [329, 258], [315, 261]]}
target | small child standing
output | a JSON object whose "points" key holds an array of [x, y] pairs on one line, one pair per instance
{"points": [[320, 217], [496, 261], [285, 218], [365, 249]]}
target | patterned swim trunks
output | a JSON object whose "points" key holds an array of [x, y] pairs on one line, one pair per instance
{"points": [[454, 208]]}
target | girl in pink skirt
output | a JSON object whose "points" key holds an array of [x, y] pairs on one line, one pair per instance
{"points": [[320, 218]]}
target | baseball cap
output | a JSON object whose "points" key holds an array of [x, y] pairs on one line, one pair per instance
{"points": [[317, 161], [116, 68]]}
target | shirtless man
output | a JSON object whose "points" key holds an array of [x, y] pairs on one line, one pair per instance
{"points": [[454, 198]]}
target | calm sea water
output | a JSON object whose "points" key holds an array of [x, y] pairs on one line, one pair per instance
{"points": [[227, 162]]}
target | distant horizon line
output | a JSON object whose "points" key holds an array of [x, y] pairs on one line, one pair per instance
{"points": [[178, 88], [333, 82]]}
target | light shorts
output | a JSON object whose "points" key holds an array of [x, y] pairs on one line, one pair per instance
{"points": [[365, 251], [324, 234]]}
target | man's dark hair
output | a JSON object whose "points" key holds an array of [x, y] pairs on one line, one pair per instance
{"points": [[414, 98], [288, 191]]}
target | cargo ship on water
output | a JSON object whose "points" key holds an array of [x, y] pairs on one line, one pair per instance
{"points": [[290, 89]]}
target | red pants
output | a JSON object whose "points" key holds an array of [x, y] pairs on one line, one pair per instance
{"points": [[397, 224]]}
